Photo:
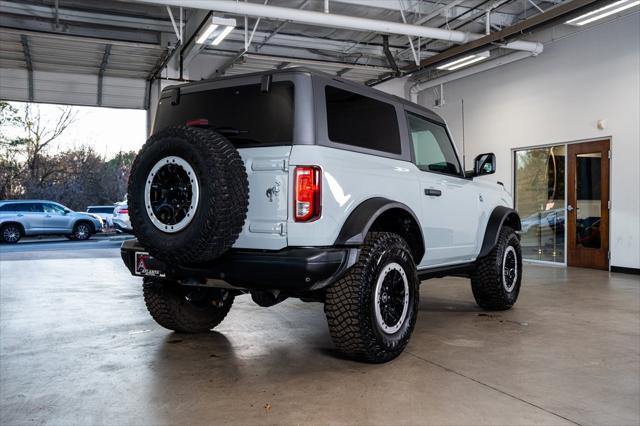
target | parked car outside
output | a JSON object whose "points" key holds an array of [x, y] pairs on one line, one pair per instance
{"points": [[120, 218], [105, 212], [20, 218]]}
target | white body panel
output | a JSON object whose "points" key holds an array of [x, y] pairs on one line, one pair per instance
{"points": [[268, 172], [453, 224]]}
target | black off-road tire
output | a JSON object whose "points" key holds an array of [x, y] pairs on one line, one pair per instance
{"points": [[186, 310], [223, 201], [10, 233], [490, 289], [350, 302]]}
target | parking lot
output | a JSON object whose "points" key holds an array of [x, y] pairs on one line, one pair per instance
{"points": [[78, 347]]}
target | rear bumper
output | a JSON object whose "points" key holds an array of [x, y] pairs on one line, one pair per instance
{"points": [[290, 269]]}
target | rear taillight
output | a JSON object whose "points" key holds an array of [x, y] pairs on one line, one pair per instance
{"points": [[122, 211], [306, 204]]}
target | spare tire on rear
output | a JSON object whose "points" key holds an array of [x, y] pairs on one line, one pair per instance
{"points": [[188, 195]]}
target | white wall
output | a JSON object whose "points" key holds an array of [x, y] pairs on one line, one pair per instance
{"points": [[558, 97]]}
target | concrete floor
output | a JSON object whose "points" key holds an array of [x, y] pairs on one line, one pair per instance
{"points": [[78, 347]]}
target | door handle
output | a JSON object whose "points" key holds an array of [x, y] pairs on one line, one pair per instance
{"points": [[19, 215], [432, 192], [48, 215]]}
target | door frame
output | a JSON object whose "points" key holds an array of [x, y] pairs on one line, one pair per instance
{"points": [[566, 202]]}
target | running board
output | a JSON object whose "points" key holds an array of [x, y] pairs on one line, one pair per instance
{"points": [[459, 270]]}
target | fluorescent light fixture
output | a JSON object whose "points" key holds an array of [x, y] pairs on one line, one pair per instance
{"points": [[206, 33], [227, 24], [603, 12], [222, 35], [463, 62]]}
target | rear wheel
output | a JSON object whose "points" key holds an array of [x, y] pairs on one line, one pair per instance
{"points": [[11, 233], [186, 309], [372, 311], [496, 280]]}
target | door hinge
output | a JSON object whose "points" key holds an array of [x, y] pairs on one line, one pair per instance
{"points": [[609, 255], [609, 204], [609, 154]]}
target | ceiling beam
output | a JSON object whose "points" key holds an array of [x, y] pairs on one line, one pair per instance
{"points": [[551, 16], [86, 17], [24, 23]]}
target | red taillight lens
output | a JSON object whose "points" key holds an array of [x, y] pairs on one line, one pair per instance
{"points": [[307, 205], [122, 211]]}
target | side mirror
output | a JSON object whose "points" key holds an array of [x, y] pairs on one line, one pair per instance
{"points": [[484, 164]]}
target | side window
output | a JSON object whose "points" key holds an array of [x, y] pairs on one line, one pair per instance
{"points": [[9, 208], [361, 121], [53, 208], [432, 147], [30, 207]]}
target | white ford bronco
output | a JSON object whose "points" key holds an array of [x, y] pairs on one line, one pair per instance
{"points": [[294, 183]]}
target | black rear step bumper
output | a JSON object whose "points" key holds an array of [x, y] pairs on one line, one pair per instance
{"points": [[290, 269]]}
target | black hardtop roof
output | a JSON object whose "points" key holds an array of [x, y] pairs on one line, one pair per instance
{"points": [[314, 74]]}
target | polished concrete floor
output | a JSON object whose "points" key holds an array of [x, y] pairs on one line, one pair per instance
{"points": [[78, 347]]}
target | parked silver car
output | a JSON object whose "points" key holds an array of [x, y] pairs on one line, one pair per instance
{"points": [[19, 218], [120, 218]]}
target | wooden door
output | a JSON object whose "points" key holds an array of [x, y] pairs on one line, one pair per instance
{"points": [[588, 205]]}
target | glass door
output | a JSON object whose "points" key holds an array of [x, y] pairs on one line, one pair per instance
{"points": [[540, 201], [588, 205]]}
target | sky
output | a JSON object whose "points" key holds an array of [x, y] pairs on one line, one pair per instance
{"points": [[107, 130]]}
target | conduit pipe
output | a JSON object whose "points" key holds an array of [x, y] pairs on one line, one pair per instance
{"points": [[338, 21], [417, 87]]}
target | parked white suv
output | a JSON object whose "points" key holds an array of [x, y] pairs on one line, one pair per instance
{"points": [[298, 184]]}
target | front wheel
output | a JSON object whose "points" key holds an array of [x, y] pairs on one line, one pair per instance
{"points": [[372, 311], [496, 280], [186, 309], [11, 233], [81, 232]]}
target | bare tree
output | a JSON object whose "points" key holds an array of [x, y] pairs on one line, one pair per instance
{"points": [[41, 135]]}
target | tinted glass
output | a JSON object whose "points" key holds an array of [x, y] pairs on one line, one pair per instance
{"points": [[244, 114], [432, 147], [361, 121], [9, 208], [29, 207], [588, 199], [100, 209]]}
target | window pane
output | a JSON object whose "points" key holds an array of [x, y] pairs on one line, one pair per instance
{"points": [[361, 121], [244, 114], [432, 147], [588, 200], [540, 201], [52, 208]]}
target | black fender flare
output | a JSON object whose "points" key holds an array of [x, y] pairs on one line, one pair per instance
{"points": [[355, 228], [499, 216]]}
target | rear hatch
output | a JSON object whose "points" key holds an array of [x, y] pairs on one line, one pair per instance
{"points": [[258, 121]]}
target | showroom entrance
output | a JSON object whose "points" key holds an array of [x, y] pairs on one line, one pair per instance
{"points": [[562, 195]]}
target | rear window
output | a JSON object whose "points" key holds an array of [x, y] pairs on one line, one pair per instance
{"points": [[361, 121], [22, 207], [244, 114], [100, 209]]}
